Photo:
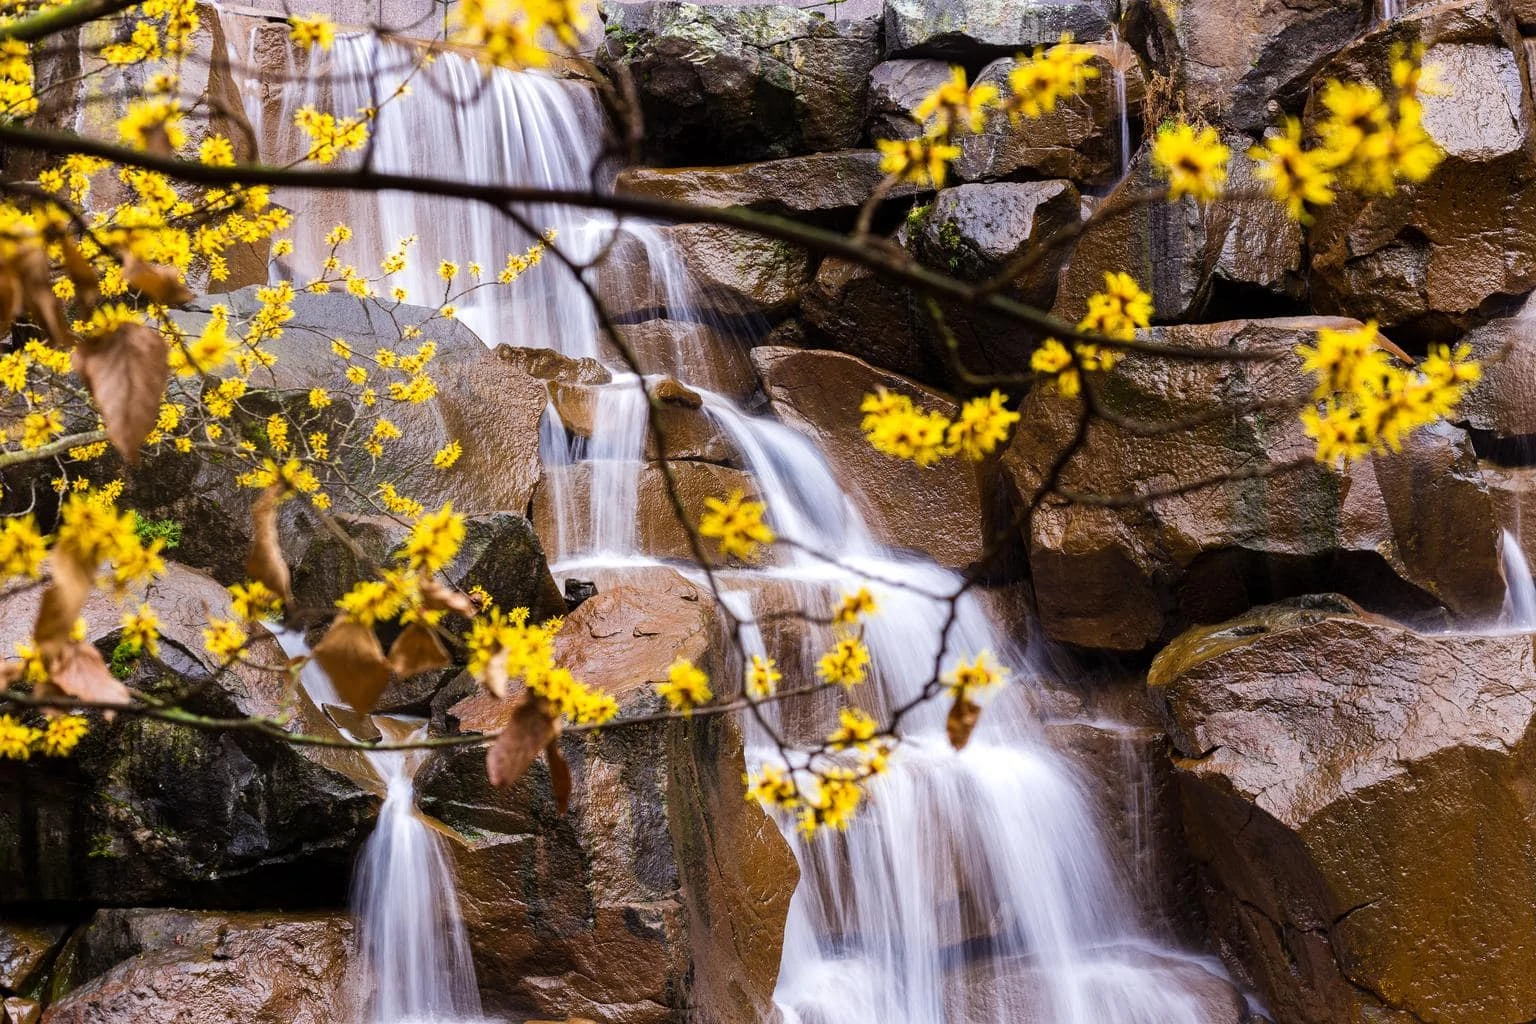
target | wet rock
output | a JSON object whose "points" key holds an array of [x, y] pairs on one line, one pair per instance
{"points": [[149, 811], [16, 1010], [974, 231], [1237, 63], [547, 364], [1356, 795], [27, 948], [1443, 256], [896, 87], [710, 354], [690, 432], [172, 965], [721, 84], [1504, 401], [811, 187], [1404, 533], [738, 273], [968, 29], [950, 511], [1079, 140], [657, 531], [851, 308]]}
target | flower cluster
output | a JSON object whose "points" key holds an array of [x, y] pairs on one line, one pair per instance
{"points": [[895, 425], [1114, 313], [58, 737], [737, 524]]}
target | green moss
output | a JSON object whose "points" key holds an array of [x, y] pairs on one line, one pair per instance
{"points": [[167, 530], [102, 846], [124, 657]]}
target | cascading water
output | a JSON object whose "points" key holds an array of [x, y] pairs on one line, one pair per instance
{"points": [[1520, 589], [1118, 60], [974, 887]]}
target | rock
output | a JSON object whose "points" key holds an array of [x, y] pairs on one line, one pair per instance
{"points": [[149, 811], [1171, 988], [950, 511], [27, 948], [691, 433], [721, 84], [974, 231], [1504, 401], [547, 364], [1079, 140], [810, 187], [852, 309], [1237, 64], [16, 1010], [710, 354], [1438, 258], [1260, 259], [737, 273], [896, 87], [260, 968], [969, 29], [1356, 796], [653, 528], [1403, 533]]}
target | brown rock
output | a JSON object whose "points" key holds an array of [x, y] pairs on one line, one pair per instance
{"points": [[217, 968], [1357, 797], [948, 511], [1440, 257], [854, 310], [16, 1010], [731, 274], [547, 364], [26, 947], [1504, 401], [1079, 140], [968, 29], [896, 87], [691, 433], [816, 185], [1402, 532], [658, 531], [974, 231], [708, 355]]}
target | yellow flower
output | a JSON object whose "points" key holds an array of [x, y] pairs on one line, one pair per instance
{"points": [[253, 601], [141, 630], [434, 540], [216, 151], [16, 739], [846, 664], [153, 124], [1297, 177], [62, 735], [1052, 359], [319, 398], [22, 547], [447, 270], [738, 525], [770, 786], [853, 607], [373, 601], [894, 426], [1037, 83], [854, 731], [446, 456], [314, 30], [922, 161], [982, 425], [966, 679], [1195, 163], [686, 686], [224, 638], [953, 107], [833, 804], [762, 677]]}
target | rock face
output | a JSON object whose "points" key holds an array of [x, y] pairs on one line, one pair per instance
{"points": [[732, 274], [154, 966], [617, 913], [1404, 532], [721, 84], [959, 29], [1440, 257], [1357, 797], [949, 512], [146, 811], [810, 187], [974, 231], [1232, 61]]}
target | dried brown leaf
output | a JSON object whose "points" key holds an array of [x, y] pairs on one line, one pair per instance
{"points": [[439, 597], [265, 563], [81, 271], [417, 649], [559, 776], [126, 371], [35, 279], [69, 584], [161, 283], [10, 298], [531, 729], [963, 715], [79, 670], [496, 678], [352, 656]]}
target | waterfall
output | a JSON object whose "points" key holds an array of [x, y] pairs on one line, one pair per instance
{"points": [[1520, 590], [1122, 108], [973, 887], [415, 951]]}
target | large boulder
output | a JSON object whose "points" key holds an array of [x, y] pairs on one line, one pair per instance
{"points": [[974, 231], [853, 309], [153, 966], [721, 84], [813, 187], [1236, 64], [1131, 564], [663, 888], [1503, 403], [1437, 258], [150, 811], [950, 512], [968, 29], [731, 274], [1357, 795]]}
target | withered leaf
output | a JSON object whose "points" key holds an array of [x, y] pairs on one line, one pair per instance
{"points": [[69, 585], [35, 278], [78, 669], [496, 678], [81, 271], [158, 281], [126, 372], [417, 649], [439, 597], [265, 563], [354, 659], [963, 715], [559, 776], [530, 729], [10, 298]]}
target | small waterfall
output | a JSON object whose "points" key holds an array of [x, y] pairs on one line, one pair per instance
{"points": [[415, 951], [1122, 108], [1389, 10], [1520, 590]]}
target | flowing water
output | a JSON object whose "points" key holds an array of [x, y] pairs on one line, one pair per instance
{"points": [[974, 887], [1520, 589]]}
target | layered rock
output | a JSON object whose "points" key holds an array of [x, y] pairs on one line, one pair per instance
{"points": [[148, 811], [816, 186], [950, 512], [721, 84], [1356, 796], [1140, 556], [731, 274], [966, 29], [1437, 258]]}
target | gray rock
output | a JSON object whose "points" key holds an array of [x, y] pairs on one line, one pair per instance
{"points": [[968, 29], [974, 231], [810, 187], [896, 87]]}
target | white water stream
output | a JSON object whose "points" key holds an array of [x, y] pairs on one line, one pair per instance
{"points": [[973, 887]]}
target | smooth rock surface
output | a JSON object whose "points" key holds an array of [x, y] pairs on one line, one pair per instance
{"points": [[967, 29]]}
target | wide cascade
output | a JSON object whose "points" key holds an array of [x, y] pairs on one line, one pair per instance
{"points": [[974, 887]]}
